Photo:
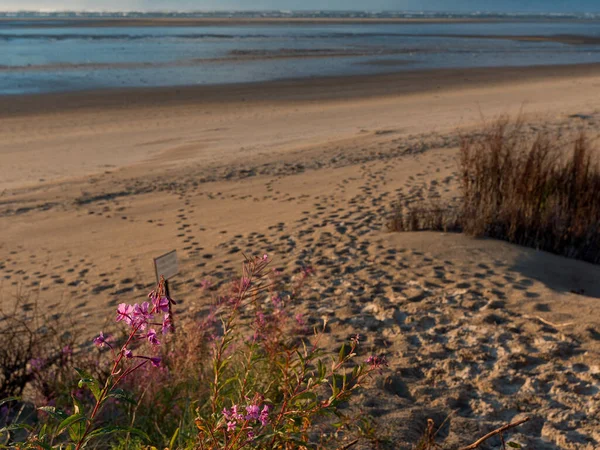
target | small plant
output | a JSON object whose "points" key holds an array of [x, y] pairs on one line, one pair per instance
{"points": [[268, 391], [250, 375], [81, 426]]}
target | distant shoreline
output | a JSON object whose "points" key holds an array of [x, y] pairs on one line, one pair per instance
{"points": [[302, 90], [58, 22]]}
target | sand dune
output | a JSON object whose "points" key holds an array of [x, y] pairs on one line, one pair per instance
{"points": [[476, 329]]}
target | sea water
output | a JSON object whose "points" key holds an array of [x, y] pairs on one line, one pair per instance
{"points": [[63, 56]]}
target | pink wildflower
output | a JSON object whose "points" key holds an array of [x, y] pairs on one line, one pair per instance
{"points": [[232, 415], [141, 315], [231, 426], [264, 416], [155, 361], [253, 412], [377, 362], [151, 336], [128, 353], [142, 311], [226, 413], [251, 435], [161, 304], [100, 340], [235, 413], [167, 324], [124, 312]]}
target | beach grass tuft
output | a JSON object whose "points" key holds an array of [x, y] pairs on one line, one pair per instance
{"points": [[541, 192]]}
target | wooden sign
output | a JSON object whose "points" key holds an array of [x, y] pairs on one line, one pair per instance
{"points": [[166, 265]]}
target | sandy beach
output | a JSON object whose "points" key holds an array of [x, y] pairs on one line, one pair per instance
{"points": [[95, 184]]}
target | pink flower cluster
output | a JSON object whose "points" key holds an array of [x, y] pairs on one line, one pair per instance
{"points": [[140, 317], [377, 362], [254, 415]]}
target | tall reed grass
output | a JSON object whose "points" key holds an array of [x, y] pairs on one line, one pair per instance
{"points": [[540, 192]]}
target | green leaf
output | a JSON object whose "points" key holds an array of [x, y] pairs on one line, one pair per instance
{"points": [[357, 371], [342, 352], [174, 438], [310, 396], [56, 413], [76, 431], [513, 444], [116, 429], [90, 382], [16, 426], [120, 394], [334, 388], [9, 399], [43, 445], [223, 364], [43, 431], [71, 420], [300, 358], [321, 369], [77, 406]]}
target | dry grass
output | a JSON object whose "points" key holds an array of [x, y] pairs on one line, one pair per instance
{"points": [[538, 192], [425, 216], [27, 334]]}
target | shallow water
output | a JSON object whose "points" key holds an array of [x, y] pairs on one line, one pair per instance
{"points": [[37, 59]]}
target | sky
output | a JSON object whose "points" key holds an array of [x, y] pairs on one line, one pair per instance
{"points": [[569, 6]]}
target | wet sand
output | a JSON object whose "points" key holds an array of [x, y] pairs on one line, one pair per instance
{"points": [[312, 90], [572, 39]]}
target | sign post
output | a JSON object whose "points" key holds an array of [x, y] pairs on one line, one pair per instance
{"points": [[167, 266]]}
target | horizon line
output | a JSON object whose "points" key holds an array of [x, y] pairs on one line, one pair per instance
{"points": [[292, 11]]}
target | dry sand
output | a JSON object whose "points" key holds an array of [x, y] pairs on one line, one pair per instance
{"points": [[94, 185]]}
